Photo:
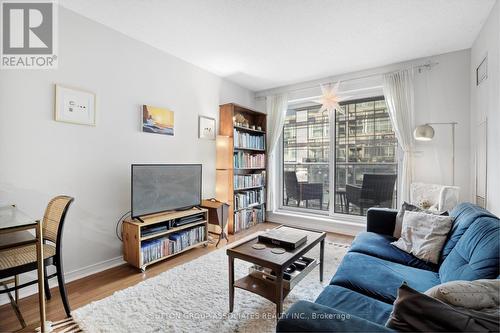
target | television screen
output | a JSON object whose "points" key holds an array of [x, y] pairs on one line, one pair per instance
{"points": [[162, 187]]}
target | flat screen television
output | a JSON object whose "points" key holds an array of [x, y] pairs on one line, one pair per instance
{"points": [[162, 187]]}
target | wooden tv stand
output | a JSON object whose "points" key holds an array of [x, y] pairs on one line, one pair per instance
{"points": [[133, 229]]}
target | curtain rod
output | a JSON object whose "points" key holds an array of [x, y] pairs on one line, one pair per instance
{"points": [[420, 68]]}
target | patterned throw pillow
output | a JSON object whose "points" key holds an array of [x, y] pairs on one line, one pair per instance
{"points": [[424, 235], [477, 295]]}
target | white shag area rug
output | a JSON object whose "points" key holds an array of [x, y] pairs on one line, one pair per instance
{"points": [[194, 297]]}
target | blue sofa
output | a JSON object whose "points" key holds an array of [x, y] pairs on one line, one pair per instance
{"points": [[360, 295]]}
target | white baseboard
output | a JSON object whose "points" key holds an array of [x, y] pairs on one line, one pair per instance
{"points": [[316, 222], [69, 276]]}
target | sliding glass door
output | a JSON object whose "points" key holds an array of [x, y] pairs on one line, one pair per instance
{"points": [[364, 164]]}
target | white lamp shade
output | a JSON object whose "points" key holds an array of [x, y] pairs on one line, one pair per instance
{"points": [[424, 133]]}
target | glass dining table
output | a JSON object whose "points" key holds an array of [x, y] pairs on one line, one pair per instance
{"points": [[12, 221]]}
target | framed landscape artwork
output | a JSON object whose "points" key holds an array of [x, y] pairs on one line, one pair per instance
{"points": [[206, 128], [75, 106], [157, 120]]}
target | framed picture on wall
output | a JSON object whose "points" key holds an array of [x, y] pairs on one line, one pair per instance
{"points": [[482, 71], [157, 120], [75, 106], [206, 128]]}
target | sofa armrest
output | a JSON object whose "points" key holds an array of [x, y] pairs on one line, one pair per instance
{"points": [[381, 220], [306, 316]]}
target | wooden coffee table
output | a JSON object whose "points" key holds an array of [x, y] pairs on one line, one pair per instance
{"points": [[271, 290]]}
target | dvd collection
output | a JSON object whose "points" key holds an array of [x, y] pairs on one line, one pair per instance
{"points": [[251, 161], [160, 247], [249, 198], [245, 140], [253, 180], [246, 218]]}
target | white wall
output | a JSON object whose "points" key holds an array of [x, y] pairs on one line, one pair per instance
{"points": [[441, 95], [41, 158], [485, 103]]}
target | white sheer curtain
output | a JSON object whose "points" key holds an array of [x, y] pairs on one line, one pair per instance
{"points": [[399, 96], [276, 107]]}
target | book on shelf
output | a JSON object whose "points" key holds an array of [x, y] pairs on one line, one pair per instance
{"points": [[246, 160], [246, 218], [249, 198], [247, 140], [170, 244], [252, 180]]}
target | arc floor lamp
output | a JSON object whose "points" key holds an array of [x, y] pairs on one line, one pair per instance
{"points": [[425, 132]]}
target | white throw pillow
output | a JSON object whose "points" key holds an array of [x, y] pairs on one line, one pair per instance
{"points": [[424, 235], [476, 295]]}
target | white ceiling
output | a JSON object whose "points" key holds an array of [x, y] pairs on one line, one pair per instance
{"points": [[262, 44]]}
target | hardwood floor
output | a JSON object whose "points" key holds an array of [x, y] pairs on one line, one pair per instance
{"points": [[103, 284]]}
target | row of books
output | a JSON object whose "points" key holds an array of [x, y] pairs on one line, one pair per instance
{"points": [[253, 180], [249, 198], [246, 160], [246, 140], [160, 247], [244, 219]]}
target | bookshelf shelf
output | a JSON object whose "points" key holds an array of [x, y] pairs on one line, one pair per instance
{"points": [[239, 148], [250, 149], [249, 168], [250, 206], [246, 129], [134, 242], [248, 188], [166, 232], [177, 253]]}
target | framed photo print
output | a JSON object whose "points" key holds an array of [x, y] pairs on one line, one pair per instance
{"points": [[75, 106], [206, 128]]}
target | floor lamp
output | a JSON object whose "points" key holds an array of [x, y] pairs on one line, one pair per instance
{"points": [[425, 132]]}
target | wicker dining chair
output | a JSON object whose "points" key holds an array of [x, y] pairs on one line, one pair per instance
{"points": [[22, 259]]}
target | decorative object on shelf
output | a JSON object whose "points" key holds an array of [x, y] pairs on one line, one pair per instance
{"points": [[206, 128], [240, 120], [157, 120], [482, 71], [425, 132], [75, 106], [330, 99]]}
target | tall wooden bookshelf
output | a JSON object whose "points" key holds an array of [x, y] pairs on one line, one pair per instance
{"points": [[241, 151]]}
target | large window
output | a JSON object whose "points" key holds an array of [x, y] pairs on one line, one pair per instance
{"points": [[364, 162], [306, 150]]}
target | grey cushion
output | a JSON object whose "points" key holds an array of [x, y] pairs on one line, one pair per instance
{"points": [[416, 312]]}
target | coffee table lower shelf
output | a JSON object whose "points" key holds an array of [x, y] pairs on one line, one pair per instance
{"points": [[266, 289]]}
